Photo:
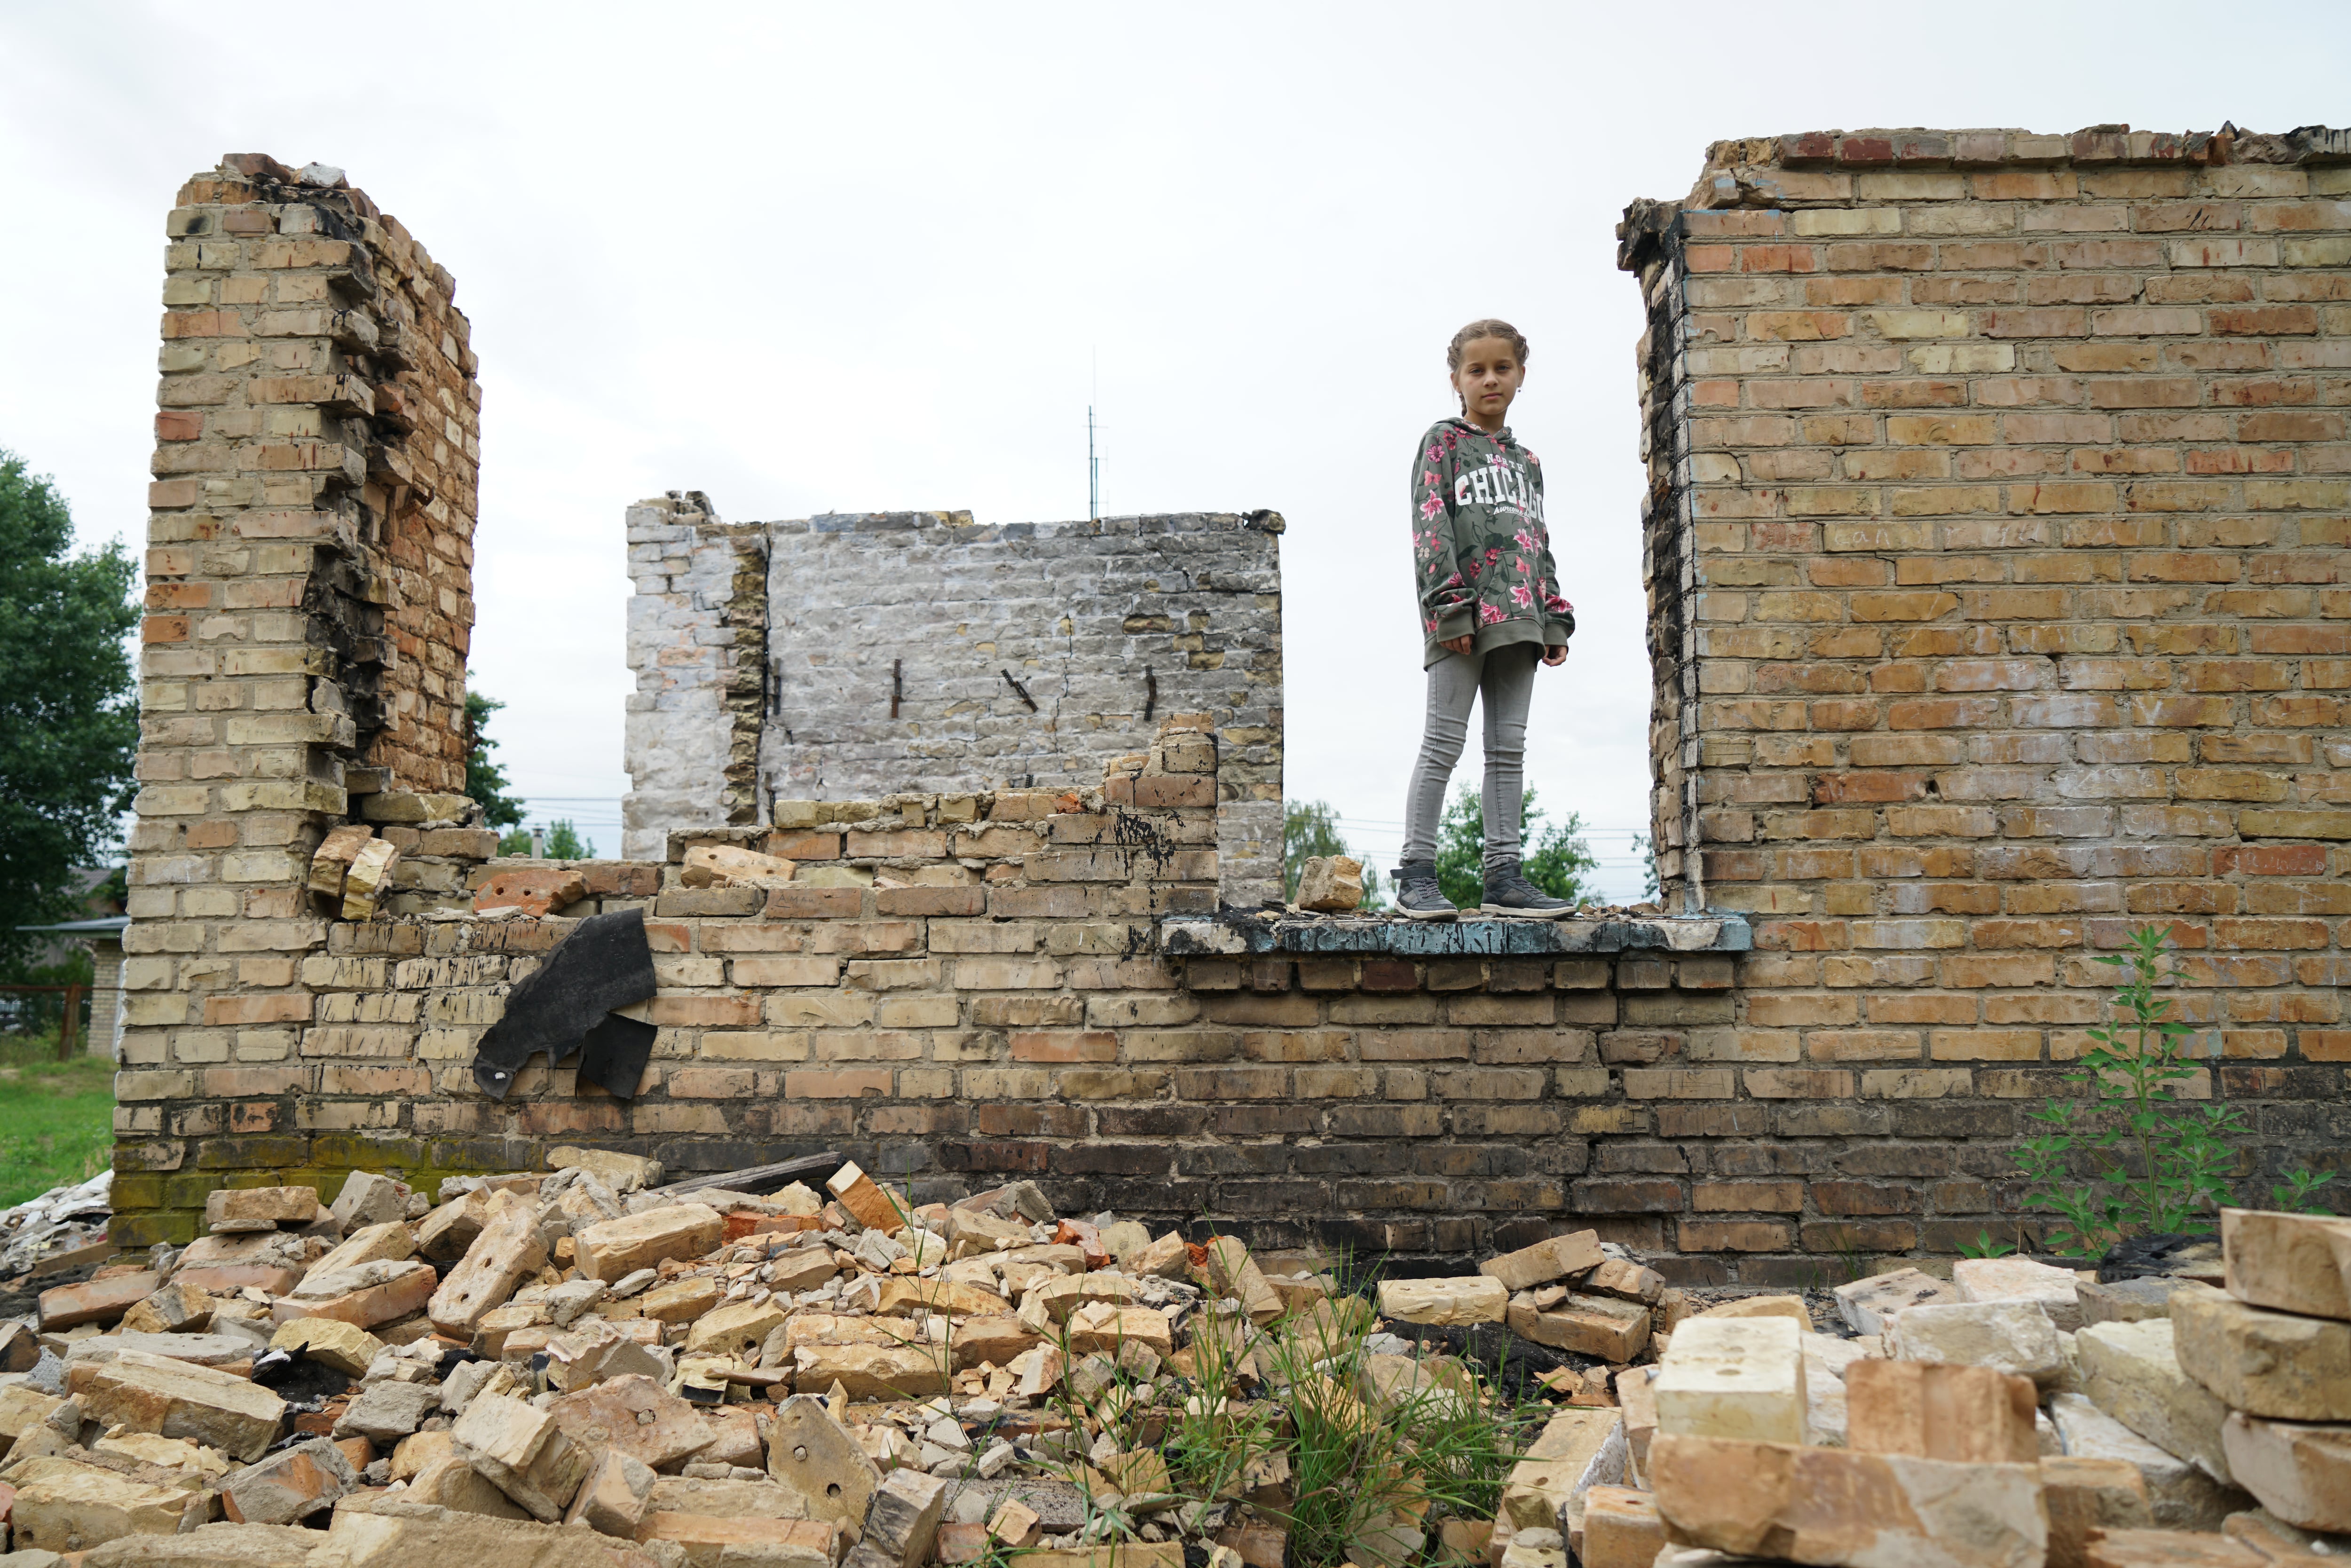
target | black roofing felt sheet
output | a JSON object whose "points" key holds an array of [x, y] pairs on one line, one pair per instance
{"points": [[567, 1006]]}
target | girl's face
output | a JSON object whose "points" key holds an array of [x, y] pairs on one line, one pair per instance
{"points": [[1488, 379]]}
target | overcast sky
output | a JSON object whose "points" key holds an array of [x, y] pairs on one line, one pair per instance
{"points": [[814, 258]]}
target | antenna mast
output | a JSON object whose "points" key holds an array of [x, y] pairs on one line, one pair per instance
{"points": [[1093, 471]]}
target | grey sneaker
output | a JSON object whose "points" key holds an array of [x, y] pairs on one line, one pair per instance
{"points": [[1417, 896], [1510, 893]]}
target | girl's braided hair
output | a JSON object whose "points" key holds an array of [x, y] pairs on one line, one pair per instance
{"points": [[1489, 328]]}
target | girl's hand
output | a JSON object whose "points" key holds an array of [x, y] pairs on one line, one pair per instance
{"points": [[1460, 645], [1555, 656]]}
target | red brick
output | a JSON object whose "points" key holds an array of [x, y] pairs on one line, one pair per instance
{"points": [[1065, 1046]]}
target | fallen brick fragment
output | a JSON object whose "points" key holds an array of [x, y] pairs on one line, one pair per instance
{"points": [[2132, 1373], [64, 1505], [366, 1296], [712, 1540], [618, 1247], [865, 1200], [94, 1300], [369, 1201], [2281, 1365], [1869, 1305], [1831, 1506], [1575, 1452], [612, 1497], [289, 1486], [507, 1248], [218, 1545], [819, 1458], [1620, 1529], [2167, 1549], [2182, 1495], [449, 1481], [901, 1523], [178, 1399], [346, 1347], [523, 1451], [386, 1412], [2086, 1495], [1477, 1298], [1968, 1415], [637, 1417], [2301, 1473], [1733, 1378], [2010, 1336], [2054, 1290], [1555, 1259]]}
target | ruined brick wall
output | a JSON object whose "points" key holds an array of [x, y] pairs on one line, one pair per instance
{"points": [[977, 988], [845, 657], [308, 603], [1995, 530], [1997, 511]]}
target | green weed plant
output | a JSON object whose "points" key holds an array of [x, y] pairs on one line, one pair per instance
{"points": [[2159, 1158]]}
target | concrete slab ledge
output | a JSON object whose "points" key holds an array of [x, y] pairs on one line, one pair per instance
{"points": [[1242, 934]]}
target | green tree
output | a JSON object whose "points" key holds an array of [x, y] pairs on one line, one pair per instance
{"points": [[1647, 850], [1554, 858], [68, 704], [563, 842], [484, 780], [1311, 829]]}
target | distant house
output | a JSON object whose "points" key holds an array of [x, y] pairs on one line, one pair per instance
{"points": [[101, 935]]}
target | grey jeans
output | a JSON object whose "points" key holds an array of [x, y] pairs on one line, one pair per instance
{"points": [[1505, 679]]}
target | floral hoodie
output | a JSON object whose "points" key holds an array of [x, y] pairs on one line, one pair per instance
{"points": [[1481, 556]]}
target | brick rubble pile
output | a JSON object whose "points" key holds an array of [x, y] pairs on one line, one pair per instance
{"points": [[586, 1367], [2015, 1414], [693, 1377], [63, 1228]]}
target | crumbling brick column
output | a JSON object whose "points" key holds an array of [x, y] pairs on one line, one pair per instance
{"points": [[309, 593]]}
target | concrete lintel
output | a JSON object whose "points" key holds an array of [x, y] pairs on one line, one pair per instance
{"points": [[1241, 935]]}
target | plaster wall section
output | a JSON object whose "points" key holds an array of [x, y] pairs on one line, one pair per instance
{"points": [[894, 650]]}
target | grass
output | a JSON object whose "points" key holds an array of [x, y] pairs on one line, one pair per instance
{"points": [[1313, 1452], [56, 1118]]}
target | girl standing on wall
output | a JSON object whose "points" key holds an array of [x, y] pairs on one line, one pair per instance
{"points": [[1490, 609]]}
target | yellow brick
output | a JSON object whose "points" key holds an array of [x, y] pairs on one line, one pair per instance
{"points": [[1920, 323]]}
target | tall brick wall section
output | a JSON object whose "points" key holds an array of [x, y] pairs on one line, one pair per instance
{"points": [[883, 649], [309, 602], [1998, 494]]}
